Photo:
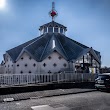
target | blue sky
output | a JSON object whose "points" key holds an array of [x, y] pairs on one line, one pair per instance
{"points": [[87, 21]]}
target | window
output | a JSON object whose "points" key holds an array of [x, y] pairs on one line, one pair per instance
{"points": [[49, 71], [50, 29], [29, 71], [64, 64], [45, 29], [21, 58], [17, 64], [61, 30], [21, 72], [59, 71], [59, 57], [30, 58], [12, 65], [44, 64], [8, 65], [54, 64], [34, 64], [49, 57], [25, 65], [56, 29]]}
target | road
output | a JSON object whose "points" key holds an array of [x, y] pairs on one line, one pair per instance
{"points": [[83, 101]]}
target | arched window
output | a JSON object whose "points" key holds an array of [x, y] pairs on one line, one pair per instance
{"points": [[56, 29], [50, 29], [45, 29], [61, 30]]}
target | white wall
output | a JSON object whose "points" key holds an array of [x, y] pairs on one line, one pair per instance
{"points": [[54, 60], [26, 60], [8, 67], [39, 68]]}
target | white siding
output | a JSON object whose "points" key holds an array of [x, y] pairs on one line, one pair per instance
{"points": [[54, 60], [26, 61], [8, 65]]}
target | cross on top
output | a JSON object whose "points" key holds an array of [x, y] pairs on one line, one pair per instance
{"points": [[53, 13]]}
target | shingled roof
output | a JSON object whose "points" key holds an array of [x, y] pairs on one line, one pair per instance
{"points": [[42, 46]]}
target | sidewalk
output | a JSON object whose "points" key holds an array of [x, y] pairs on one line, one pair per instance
{"points": [[43, 93]]}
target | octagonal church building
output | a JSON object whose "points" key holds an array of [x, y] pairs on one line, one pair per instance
{"points": [[51, 52]]}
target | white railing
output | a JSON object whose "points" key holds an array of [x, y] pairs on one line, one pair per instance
{"points": [[25, 79]]}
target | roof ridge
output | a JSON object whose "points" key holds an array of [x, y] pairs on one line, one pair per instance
{"points": [[62, 47], [78, 43], [24, 43], [45, 48]]}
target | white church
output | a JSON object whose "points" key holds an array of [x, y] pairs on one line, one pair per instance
{"points": [[51, 52]]}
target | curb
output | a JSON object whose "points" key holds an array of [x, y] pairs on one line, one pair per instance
{"points": [[53, 95]]}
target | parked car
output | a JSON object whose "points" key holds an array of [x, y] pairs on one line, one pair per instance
{"points": [[103, 81]]}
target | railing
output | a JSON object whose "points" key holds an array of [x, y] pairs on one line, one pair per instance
{"points": [[26, 79]]}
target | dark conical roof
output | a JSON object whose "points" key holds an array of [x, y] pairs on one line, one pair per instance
{"points": [[53, 24], [41, 47]]}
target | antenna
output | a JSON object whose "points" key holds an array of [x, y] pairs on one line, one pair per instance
{"points": [[53, 13]]}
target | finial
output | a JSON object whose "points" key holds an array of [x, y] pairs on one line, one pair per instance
{"points": [[53, 13]]}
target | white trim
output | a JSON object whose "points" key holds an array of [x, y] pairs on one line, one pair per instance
{"points": [[53, 29], [53, 44]]}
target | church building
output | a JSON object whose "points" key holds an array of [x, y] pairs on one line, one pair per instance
{"points": [[51, 52]]}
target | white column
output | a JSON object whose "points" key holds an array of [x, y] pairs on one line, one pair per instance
{"points": [[53, 29], [63, 31], [58, 30], [47, 29]]}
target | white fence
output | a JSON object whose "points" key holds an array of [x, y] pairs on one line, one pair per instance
{"points": [[25, 79]]}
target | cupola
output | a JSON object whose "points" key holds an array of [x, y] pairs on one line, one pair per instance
{"points": [[53, 27]]}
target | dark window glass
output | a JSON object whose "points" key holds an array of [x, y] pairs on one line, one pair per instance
{"points": [[64, 65], [50, 29], [60, 57], [25, 65], [55, 29], [21, 72], [49, 71], [17, 64], [54, 64], [61, 30], [29, 71], [34, 64], [45, 29], [21, 58], [49, 57], [44, 64], [30, 58]]}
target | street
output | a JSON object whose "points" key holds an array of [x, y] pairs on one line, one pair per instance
{"points": [[83, 101]]}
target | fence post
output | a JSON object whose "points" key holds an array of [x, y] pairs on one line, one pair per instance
{"points": [[82, 77], [58, 77]]}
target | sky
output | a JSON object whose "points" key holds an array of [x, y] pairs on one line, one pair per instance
{"points": [[87, 21]]}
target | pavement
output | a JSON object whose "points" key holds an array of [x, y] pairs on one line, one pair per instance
{"points": [[42, 94]]}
